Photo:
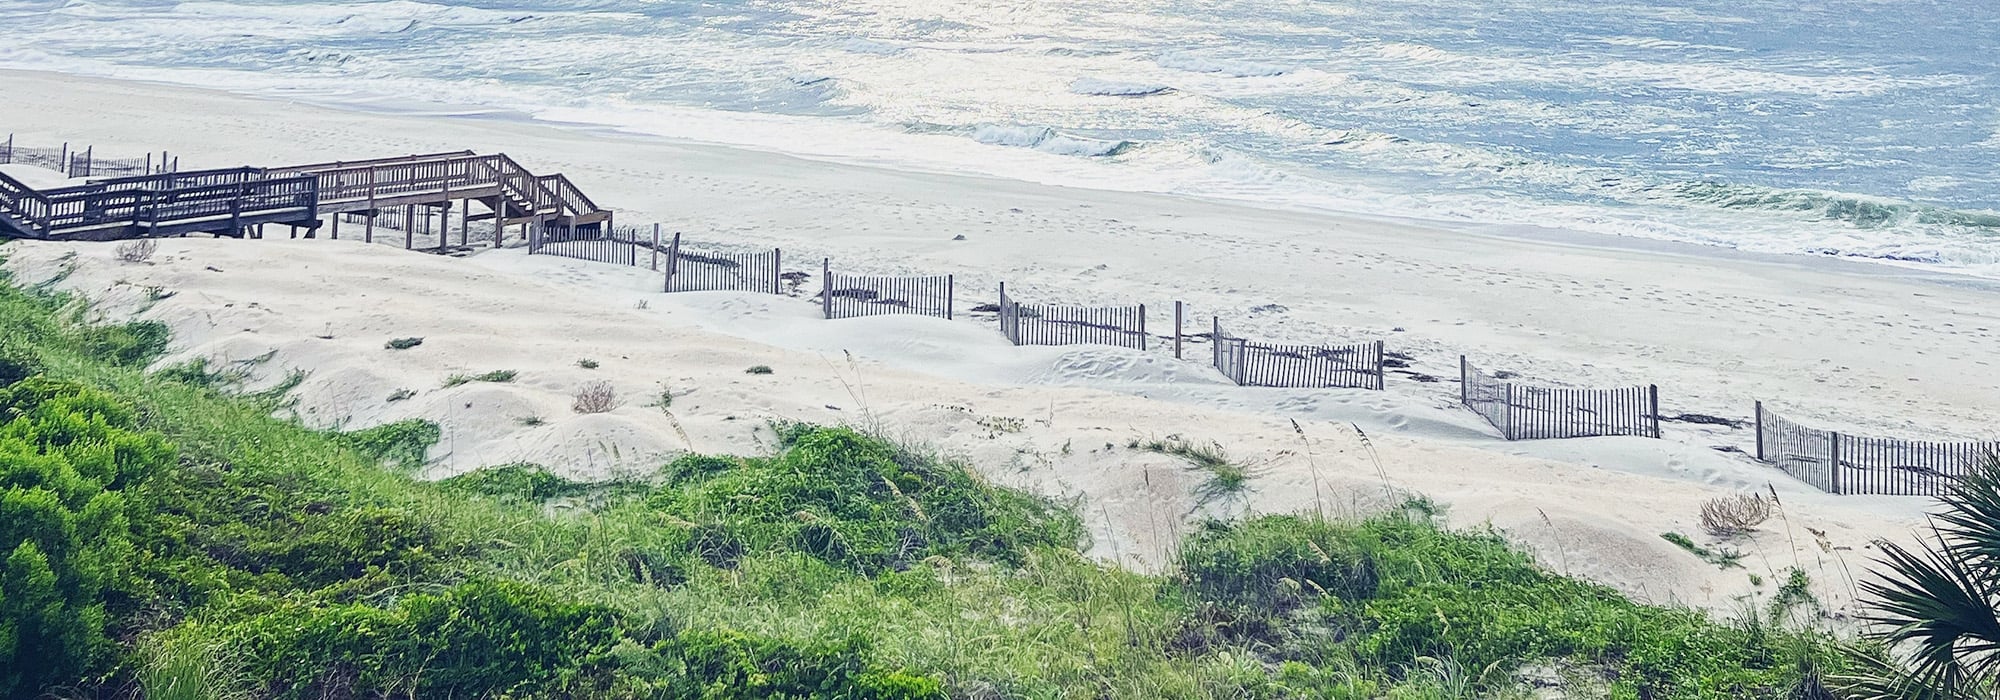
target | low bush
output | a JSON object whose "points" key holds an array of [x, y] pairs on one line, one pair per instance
{"points": [[858, 502], [531, 482], [403, 343], [595, 397], [404, 443]]}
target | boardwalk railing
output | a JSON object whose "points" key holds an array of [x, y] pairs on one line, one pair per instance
{"points": [[593, 243], [1527, 412], [1316, 366], [1848, 464], [1051, 324], [848, 296], [218, 201], [691, 271]]}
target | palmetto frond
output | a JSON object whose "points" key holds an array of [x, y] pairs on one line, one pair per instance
{"points": [[1934, 607]]}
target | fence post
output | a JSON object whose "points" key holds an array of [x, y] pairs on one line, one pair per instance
{"points": [[465, 223], [1653, 396], [409, 227], [673, 263], [62, 159], [1464, 382], [826, 287], [1833, 450], [1381, 381], [948, 283], [1003, 316], [7, 153], [1215, 344], [777, 270], [88, 160], [1507, 430], [1760, 431], [1177, 330], [656, 247], [1142, 326]]}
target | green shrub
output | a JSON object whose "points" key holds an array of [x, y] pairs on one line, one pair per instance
{"points": [[1398, 588], [404, 443], [530, 482], [758, 369], [857, 502], [729, 665], [125, 345], [500, 376], [403, 343], [477, 639], [67, 457]]}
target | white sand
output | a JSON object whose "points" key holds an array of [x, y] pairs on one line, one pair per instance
{"points": [[1876, 348]]}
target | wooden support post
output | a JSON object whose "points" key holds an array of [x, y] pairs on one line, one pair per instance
{"points": [[826, 287], [1177, 330], [1464, 381], [656, 248], [1760, 431], [499, 218], [333, 231], [464, 222], [777, 269], [1653, 415], [409, 227], [1215, 343], [444, 226], [1142, 326], [368, 236]]}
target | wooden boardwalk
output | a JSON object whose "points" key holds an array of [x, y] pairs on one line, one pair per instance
{"points": [[237, 201]]}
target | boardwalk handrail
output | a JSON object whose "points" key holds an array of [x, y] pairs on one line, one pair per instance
{"points": [[368, 180], [190, 197]]}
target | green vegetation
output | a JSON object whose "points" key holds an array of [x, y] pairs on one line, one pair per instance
{"points": [[587, 363], [1721, 557], [164, 536], [1226, 480], [500, 376], [758, 369], [403, 343]]}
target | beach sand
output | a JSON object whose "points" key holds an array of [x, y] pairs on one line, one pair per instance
{"points": [[1869, 348]]}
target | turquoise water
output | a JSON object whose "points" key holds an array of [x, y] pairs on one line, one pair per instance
{"points": [[1842, 127]]}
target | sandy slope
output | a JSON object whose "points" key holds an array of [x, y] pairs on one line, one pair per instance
{"points": [[1051, 419], [1862, 346]]}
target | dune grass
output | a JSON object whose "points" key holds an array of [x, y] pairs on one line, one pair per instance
{"points": [[245, 556]]}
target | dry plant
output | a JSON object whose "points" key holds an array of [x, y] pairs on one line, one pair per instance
{"points": [[1734, 515], [595, 397], [137, 251]]}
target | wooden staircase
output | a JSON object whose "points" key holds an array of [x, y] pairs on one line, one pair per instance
{"points": [[511, 193]]}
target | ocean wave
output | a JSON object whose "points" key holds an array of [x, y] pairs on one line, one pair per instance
{"points": [[1854, 210], [1112, 88], [1048, 140], [870, 46], [1234, 69]]}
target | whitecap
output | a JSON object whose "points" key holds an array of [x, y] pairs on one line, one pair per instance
{"points": [[1235, 69], [1112, 88]]}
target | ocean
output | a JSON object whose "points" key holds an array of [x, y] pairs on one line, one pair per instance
{"points": [[1857, 128]]}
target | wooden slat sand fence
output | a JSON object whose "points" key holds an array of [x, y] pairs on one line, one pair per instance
{"points": [[848, 296], [696, 271], [1839, 463], [592, 243], [1524, 411], [1249, 363], [1052, 324]]}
